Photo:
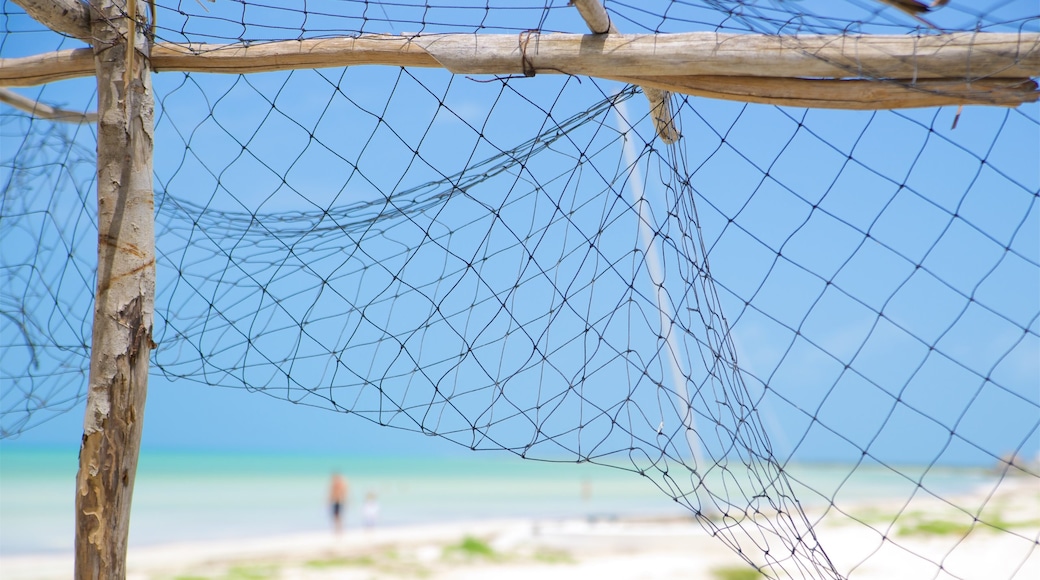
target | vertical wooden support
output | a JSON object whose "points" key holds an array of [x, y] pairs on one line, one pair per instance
{"points": [[595, 16], [598, 21], [125, 297]]}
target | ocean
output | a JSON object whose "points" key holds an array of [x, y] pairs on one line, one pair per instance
{"points": [[198, 496]]}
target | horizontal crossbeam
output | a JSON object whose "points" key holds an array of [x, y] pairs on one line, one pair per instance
{"points": [[907, 71]]}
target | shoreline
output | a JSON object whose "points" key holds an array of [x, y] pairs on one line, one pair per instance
{"points": [[992, 531], [551, 548], [556, 549]]}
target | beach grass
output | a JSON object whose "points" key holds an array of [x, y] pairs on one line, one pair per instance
{"points": [[922, 525], [244, 572], [736, 573], [553, 556], [342, 562], [471, 547], [998, 516], [931, 526], [258, 572], [391, 562]]}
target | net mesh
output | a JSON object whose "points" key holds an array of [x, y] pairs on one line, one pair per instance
{"points": [[519, 264]]}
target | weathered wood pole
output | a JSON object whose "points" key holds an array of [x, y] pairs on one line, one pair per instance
{"points": [[125, 296], [598, 21]]}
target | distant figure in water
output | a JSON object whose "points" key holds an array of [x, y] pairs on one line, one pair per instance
{"points": [[370, 511], [586, 490], [338, 500]]}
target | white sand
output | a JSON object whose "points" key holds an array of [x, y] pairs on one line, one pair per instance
{"points": [[543, 550], [523, 549], [547, 550]]}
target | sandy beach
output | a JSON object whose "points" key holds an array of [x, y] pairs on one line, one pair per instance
{"points": [[481, 549], [661, 548], [990, 531]]}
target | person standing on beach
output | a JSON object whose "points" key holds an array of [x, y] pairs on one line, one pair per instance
{"points": [[338, 493], [370, 510]]}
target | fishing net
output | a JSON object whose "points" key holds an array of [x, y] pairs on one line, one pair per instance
{"points": [[522, 263]]}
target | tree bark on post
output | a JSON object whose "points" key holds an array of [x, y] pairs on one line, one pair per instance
{"points": [[125, 297]]}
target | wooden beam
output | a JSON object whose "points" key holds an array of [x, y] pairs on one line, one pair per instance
{"points": [[43, 110], [850, 94], [374, 49], [598, 21], [124, 301], [954, 56], [40, 69], [664, 62], [70, 17], [229, 59], [961, 55]]}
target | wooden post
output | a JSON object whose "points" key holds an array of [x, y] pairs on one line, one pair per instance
{"points": [[598, 21], [125, 297]]}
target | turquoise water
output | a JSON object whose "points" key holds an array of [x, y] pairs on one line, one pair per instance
{"points": [[199, 496], [193, 496]]}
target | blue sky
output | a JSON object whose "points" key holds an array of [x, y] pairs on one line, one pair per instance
{"points": [[813, 222]]}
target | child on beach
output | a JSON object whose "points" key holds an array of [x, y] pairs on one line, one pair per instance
{"points": [[370, 511]]}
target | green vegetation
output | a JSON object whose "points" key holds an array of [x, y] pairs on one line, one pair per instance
{"points": [[341, 562], [387, 561], [252, 572], [994, 523], [934, 527], [471, 547], [467, 550], [256, 572], [736, 573], [941, 524], [551, 556], [871, 517]]}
